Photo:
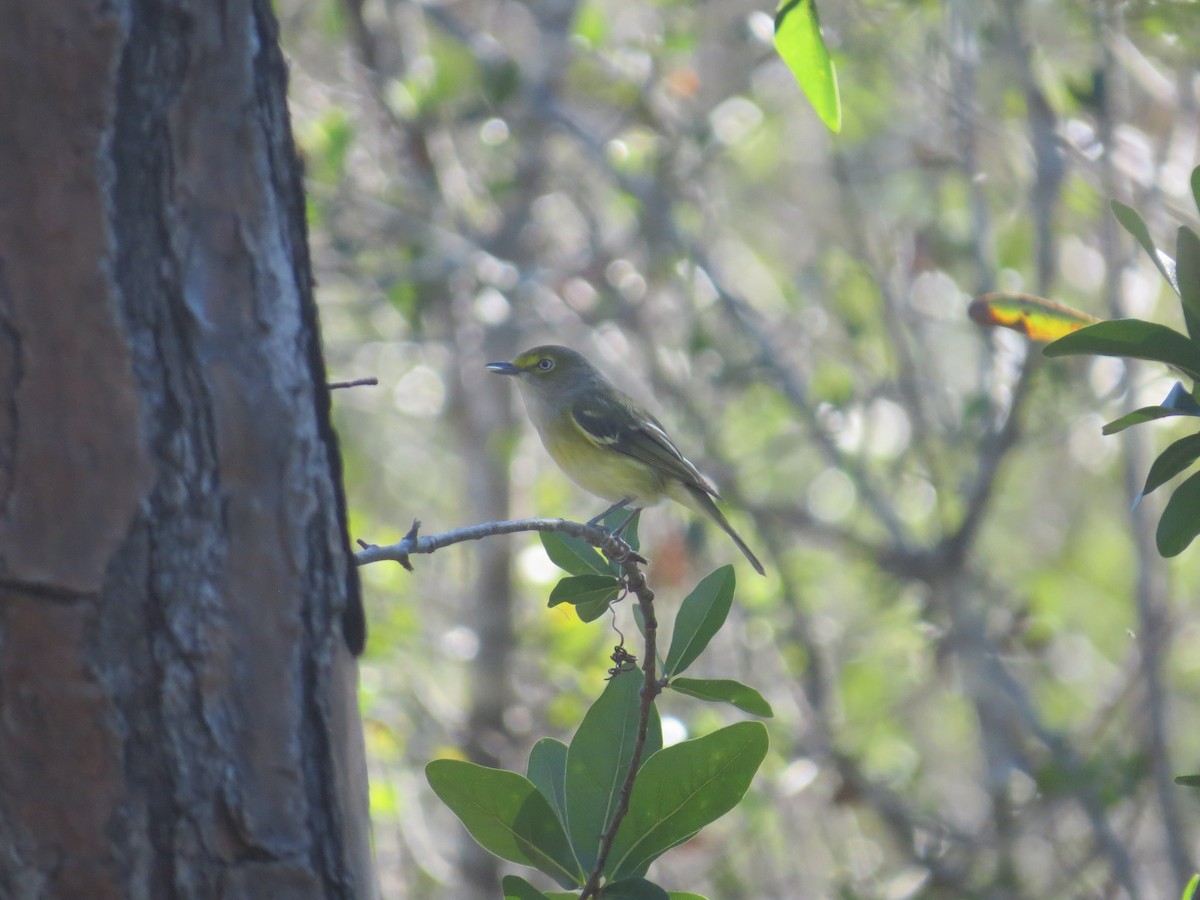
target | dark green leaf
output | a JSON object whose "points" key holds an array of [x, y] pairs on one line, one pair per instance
{"points": [[798, 41], [517, 888], [598, 761], [1172, 461], [1187, 257], [1180, 520], [1139, 416], [1188, 780], [506, 815], [1131, 338], [634, 889], [1133, 223], [591, 610], [1196, 186], [683, 788], [724, 690], [700, 616], [576, 589], [548, 772], [573, 555]]}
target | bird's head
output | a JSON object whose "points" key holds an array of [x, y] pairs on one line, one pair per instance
{"points": [[548, 368]]}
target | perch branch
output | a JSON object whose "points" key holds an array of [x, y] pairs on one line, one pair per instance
{"points": [[621, 554]]}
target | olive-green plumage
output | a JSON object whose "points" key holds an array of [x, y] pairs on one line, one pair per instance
{"points": [[604, 441]]}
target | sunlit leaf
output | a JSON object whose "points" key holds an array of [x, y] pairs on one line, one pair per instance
{"points": [[598, 760], [681, 789], [1180, 522], [798, 41], [700, 616], [1171, 462], [1037, 318], [724, 690], [1132, 222], [507, 816], [1131, 338], [1189, 892]]}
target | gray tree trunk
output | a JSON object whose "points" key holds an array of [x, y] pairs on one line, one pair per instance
{"points": [[177, 703]]}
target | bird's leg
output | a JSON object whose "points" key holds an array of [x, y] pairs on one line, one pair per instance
{"points": [[620, 504], [628, 519]]}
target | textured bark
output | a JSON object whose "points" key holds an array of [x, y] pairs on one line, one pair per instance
{"points": [[177, 704]]}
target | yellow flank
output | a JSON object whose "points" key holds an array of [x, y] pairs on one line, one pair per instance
{"points": [[598, 468]]}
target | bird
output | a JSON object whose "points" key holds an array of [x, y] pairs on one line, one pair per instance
{"points": [[605, 442]]}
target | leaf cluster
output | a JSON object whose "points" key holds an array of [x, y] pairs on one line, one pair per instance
{"points": [[555, 817], [1137, 339]]}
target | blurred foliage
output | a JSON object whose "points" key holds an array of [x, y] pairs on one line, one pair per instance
{"points": [[982, 675]]}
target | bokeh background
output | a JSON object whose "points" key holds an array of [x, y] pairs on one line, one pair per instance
{"points": [[983, 676]]}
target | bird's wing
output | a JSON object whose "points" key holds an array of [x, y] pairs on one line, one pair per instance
{"points": [[616, 423]]}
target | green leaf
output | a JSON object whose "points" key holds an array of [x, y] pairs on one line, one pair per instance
{"points": [[1131, 338], [506, 815], [548, 771], [634, 889], [1133, 223], [1187, 257], [798, 41], [585, 589], [1140, 416], [1171, 462], [1188, 780], [598, 761], [517, 888], [700, 616], [573, 555], [1180, 522], [1196, 186], [724, 690], [1190, 891], [681, 789]]}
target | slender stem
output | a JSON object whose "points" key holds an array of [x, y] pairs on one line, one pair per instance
{"points": [[621, 554], [650, 690]]}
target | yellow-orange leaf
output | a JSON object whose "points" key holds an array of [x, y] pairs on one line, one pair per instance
{"points": [[1037, 318]]}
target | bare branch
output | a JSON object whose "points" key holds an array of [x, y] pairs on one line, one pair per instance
{"points": [[357, 382]]}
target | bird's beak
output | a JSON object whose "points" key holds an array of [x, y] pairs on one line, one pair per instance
{"points": [[503, 368]]}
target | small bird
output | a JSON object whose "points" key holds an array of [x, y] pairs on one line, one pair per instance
{"points": [[604, 441]]}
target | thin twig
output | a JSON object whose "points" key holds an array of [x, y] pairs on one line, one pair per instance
{"points": [[636, 582], [357, 382], [601, 538]]}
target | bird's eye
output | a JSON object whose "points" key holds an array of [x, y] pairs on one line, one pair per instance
{"points": [[545, 364]]}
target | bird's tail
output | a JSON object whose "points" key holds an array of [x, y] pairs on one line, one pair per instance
{"points": [[702, 502]]}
